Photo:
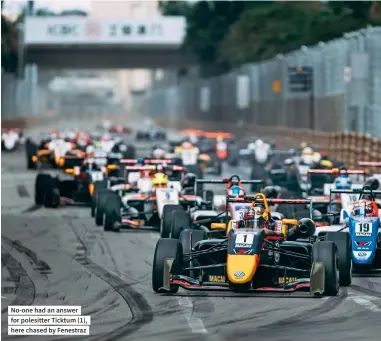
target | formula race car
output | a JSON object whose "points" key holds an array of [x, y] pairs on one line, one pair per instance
{"points": [[52, 153], [73, 186], [212, 208], [360, 227], [11, 139], [251, 257], [148, 203], [120, 129]]}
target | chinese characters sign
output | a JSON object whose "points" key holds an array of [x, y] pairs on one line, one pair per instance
{"points": [[48, 31]]}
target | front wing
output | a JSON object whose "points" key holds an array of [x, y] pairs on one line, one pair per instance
{"points": [[315, 284]]}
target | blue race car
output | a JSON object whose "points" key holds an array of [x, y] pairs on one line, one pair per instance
{"points": [[364, 228]]}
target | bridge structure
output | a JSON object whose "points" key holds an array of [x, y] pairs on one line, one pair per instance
{"points": [[85, 43]]}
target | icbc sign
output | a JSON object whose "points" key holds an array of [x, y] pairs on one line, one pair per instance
{"points": [[62, 30]]}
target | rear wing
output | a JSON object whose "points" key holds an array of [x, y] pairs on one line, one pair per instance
{"points": [[74, 157], [146, 161], [354, 191], [283, 152], [152, 168], [370, 163], [360, 191], [214, 135], [270, 202], [337, 171], [251, 198], [226, 181]]}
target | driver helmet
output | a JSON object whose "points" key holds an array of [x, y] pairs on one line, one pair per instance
{"points": [[365, 208], [158, 153], [236, 191], [303, 145], [159, 180], [270, 192], [256, 217], [193, 138], [186, 145], [307, 151], [106, 138], [220, 139], [259, 143], [90, 150], [145, 174]]}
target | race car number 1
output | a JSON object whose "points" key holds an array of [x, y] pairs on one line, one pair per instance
{"points": [[244, 239]]}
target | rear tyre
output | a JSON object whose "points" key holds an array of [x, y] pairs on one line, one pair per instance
{"points": [[165, 249], [344, 248], [100, 202], [98, 186], [46, 191], [30, 151], [112, 213], [326, 252]]}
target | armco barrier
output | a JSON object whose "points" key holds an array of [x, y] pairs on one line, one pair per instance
{"points": [[348, 147]]}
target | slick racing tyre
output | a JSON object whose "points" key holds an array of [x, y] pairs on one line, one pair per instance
{"points": [[98, 186], [112, 213], [30, 151], [344, 247], [165, 249], [326, 253], [100, 202], [180, 220], [46, 191], [166, 221]]}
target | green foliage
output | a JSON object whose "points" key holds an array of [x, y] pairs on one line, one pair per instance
{"points": [[208, 23], [9, 45], [226, 34]]}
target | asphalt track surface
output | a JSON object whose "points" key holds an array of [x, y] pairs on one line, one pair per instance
{"points": [[59, 257]]}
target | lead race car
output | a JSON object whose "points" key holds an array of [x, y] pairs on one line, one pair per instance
{"points": [[251, 257]]}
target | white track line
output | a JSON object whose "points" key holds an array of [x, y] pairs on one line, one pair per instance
{"points": [[365, 301], [195, 323]]}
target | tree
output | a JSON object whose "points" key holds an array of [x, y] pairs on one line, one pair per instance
{"points": [[208, 23], [9, 45], [262, 33]]}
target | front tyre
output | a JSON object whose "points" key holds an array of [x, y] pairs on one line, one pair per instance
{"points": [[165, 249]]}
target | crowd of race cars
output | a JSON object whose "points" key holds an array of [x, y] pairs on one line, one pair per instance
{"points": [[307, 222]]}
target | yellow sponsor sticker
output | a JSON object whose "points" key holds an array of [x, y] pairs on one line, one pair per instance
{"points": [[217, 279], [286, 280]]}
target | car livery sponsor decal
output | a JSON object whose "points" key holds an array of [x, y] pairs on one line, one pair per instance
{"points": [[244, 240], [286, 280], [239, 274], [363, 229], [217, 279]]}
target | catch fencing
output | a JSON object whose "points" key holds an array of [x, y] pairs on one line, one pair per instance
{"points": [[345, 93]]}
